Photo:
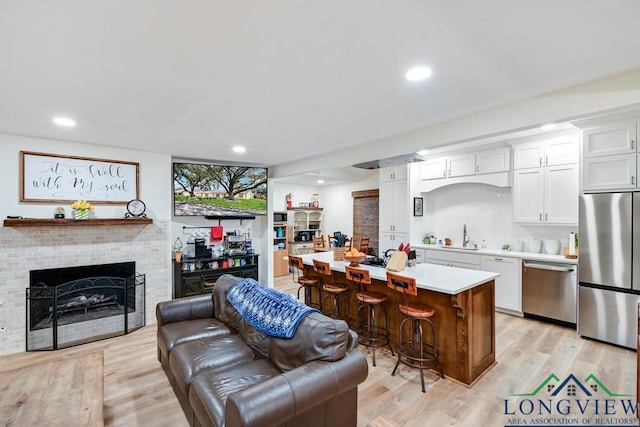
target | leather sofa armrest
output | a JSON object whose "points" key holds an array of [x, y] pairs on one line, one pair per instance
{"points": [[188, 308], [281, 398]]}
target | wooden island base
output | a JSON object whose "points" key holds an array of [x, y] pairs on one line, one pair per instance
{"points": [[464, 322]]}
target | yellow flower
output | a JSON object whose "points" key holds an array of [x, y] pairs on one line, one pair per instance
{"points": [[82, 205]]}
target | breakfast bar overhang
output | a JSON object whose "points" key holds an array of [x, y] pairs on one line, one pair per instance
{"points": [[464, 301]]}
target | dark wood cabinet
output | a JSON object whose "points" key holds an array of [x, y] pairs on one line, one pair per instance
{"points": [[195, 276]]}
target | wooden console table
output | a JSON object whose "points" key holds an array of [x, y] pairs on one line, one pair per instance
{"points": [[62, 392]]}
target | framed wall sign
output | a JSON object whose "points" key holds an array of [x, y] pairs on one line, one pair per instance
{"points": [[417, 206], [55, 178]]}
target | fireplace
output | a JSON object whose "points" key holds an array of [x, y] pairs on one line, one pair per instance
{"points": [[76, 305]]}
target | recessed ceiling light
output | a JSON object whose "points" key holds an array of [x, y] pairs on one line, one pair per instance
{"points": [[64, 121], [423, 152], [418, 73], [549, 126], [321, 181], [239, 149]]}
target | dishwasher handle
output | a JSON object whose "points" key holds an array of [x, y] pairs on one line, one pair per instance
{"points": [[551, 267]]}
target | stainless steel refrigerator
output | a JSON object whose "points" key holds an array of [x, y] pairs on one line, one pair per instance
{"points": [[609, 267]]}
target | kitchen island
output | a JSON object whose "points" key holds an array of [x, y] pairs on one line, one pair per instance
{"points": [[465, 311]]}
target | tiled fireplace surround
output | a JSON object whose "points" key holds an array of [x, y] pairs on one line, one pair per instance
{"points": [[31, 248]]}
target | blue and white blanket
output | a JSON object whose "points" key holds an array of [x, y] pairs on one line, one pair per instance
{"points": [[269, 311]]}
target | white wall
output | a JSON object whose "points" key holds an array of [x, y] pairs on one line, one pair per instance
{"points": [[338, 213], [486, 210], [155, 177]]}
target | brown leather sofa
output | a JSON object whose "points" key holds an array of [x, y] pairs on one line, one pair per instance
{"points": [[226, 373]]}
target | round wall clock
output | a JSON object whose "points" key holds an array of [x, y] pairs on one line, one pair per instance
{"points": [[136, 209]]}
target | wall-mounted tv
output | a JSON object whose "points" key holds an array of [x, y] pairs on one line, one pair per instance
{"points": [[219, 191]]}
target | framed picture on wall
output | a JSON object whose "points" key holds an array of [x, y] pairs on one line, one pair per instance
{"points": [[417, 206]]}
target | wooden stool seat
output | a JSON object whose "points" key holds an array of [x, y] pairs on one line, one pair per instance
{"points": [[334, 291], [335, 288], [371, 297], [309, 285], [413, 350], [421, 312], [306, 280], [370, 333]]}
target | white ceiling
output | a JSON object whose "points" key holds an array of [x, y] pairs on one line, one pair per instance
{"points": [[289, 79]]}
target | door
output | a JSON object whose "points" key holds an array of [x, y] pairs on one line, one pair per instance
{"points": [[433, 169], [614, 138], [462, 165], [561, 151], [609, 173], [605, 239], [528, 190], [490, 161], [561, 194]]}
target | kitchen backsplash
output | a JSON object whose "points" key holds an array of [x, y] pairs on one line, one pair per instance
{"points": [[488, 213]]}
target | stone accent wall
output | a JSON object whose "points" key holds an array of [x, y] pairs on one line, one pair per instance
{"points": [[31, 248]]}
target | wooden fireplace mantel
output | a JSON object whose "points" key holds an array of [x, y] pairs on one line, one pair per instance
{"points": [[40, 222]]}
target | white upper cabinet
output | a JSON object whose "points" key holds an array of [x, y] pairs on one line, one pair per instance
{"points": [[610, 173], [492, 161], [546, 180], [554, 151], [393, 173], [562, 150], [609, 156], [433, 168], [528, 155], [461, 165], [610, 139], [476, 163]]}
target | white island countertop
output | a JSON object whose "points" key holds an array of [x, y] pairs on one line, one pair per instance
{"points": [[436, 278]]}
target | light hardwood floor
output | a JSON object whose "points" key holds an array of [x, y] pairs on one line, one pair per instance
{"points": [[137, 393]]}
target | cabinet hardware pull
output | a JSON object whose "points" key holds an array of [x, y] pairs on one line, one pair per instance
{"points": [[632, 143], [540, 216], [444, 172], [449, 172], [498, 259], [633, 180], [540, 158], [546, 160], [546, 217], [478, 168]]}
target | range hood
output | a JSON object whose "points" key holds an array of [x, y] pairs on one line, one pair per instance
{"points": [[391, 161]]}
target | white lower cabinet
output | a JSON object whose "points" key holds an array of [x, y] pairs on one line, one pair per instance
{"points": [[453, 259], [508, 286]]}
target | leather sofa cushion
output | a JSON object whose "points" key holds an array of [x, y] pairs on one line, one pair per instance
{"points": [[208, 393], [222, 307], [229, 315], [194, 358], [318, 338], [173, 334]]}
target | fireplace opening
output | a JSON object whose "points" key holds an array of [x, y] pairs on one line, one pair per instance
{"points": [[76, 305]]}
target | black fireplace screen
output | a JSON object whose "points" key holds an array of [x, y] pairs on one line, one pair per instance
{"points": [[76, 305]]}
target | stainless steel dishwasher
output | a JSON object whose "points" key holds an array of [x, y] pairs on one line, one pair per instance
{"points": [[549, 290]]}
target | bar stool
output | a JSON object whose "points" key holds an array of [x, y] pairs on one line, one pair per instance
{"points": [[369, 334], [414, 351], [332, 290], [309, 284]]}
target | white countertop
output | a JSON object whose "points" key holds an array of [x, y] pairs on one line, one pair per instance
{"points": [[437, 278], [527, 256]]}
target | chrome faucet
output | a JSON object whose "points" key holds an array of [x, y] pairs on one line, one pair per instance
{"points": [[465, 236]]}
